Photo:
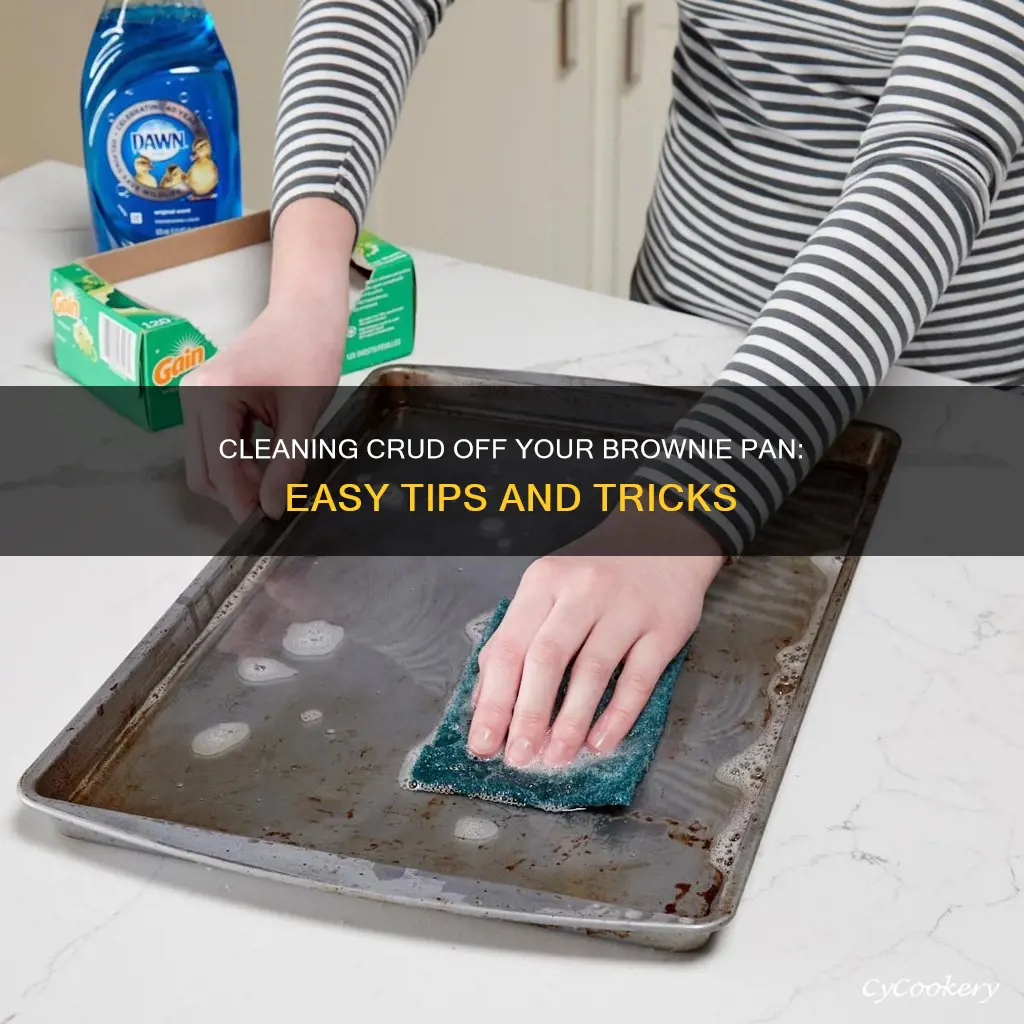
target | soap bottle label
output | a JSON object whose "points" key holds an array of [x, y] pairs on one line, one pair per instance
{"points": [[163, 158]]}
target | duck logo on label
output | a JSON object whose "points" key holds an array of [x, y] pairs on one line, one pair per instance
{"points": [[171, 367], [160, 150]]}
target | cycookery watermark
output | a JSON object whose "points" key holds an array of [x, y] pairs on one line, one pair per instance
{"points": [[878, 991]]}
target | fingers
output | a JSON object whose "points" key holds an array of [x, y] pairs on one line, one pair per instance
{"points": [[608, 644], [222, 421], [547, 657], [197, 475], [595, 615], [644, 665], [298, 410], [501, 668], [210, 418]]}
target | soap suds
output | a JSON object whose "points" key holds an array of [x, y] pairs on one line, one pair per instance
{"points": [[244, 589], [219, 739], [477, 830], [476, 628], [264, 671], [312, 639], [747, 770]]}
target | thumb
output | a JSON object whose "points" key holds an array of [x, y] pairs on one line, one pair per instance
{"points": [[298, 410]]}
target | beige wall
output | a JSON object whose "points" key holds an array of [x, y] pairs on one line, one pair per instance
{"points": [[42, 48]]}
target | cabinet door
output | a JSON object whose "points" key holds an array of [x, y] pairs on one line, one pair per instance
{"points": [[649, 31], [492, 159]]}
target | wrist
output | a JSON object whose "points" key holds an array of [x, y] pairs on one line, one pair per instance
{"points": [[664, 533], [311, 312], [312, 251], [312, 327]]}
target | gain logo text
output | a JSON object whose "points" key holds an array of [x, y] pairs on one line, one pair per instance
{"points": [[65, 305], [171, 367]]}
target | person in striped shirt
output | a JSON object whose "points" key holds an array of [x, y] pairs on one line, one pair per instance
{"points": [[842, 178]]}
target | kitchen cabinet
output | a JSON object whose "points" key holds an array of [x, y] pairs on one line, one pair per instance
{"points": [[492, 159], [650, 31], [530, 137]]}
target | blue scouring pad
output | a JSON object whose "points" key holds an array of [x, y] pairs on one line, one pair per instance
{"points": [[444, 764]]}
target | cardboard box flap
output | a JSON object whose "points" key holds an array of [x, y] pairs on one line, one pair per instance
{"points": [[104, 337], [176, 250]]}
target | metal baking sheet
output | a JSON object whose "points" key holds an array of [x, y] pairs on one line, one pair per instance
{"points": [[319, 803]]}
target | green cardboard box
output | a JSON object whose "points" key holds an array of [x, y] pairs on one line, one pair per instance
{"points": [[133, 356]]}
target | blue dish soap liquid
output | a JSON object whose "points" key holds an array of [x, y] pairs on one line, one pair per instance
{"points": [[159, 122]]}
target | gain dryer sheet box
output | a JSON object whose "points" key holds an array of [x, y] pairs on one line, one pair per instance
{"points": [[129, 323]]}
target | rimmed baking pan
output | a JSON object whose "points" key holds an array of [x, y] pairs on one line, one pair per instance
{"points": [[314, 798]]}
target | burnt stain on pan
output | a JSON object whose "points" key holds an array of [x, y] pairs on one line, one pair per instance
{"points": [[711, 892], [281, 837], [689, 839], [682, 888], [432, 805], [688, 835]]}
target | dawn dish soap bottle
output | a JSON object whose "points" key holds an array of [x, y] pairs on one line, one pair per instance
{"points": [[159, 122]]}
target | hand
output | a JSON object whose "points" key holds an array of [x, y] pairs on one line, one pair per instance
{"points": [[602, 609], [283, 371]]}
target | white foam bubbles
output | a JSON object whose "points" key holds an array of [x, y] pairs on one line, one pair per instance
{"points": [[475, 830], [219, 739], [747, 770], [264, 671], [310, 716], [312, 639], [476, 628]]}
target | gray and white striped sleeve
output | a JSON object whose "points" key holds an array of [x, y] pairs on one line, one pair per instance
{"points": [[346, 73], [928, 169]]}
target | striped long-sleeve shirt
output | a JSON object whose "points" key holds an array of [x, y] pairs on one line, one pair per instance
{"points": [[842, 178]]}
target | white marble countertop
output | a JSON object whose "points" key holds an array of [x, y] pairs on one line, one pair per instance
{"points": [[894, 855]]}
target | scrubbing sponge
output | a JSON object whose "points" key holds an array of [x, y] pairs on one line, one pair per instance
{"points": [[444, 764]]}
